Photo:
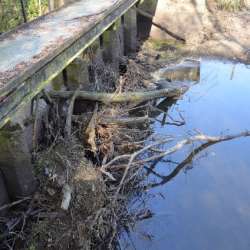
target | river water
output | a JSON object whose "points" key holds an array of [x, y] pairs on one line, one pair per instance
{"points": [[204, 204]]}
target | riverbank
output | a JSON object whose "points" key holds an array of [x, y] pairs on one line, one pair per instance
{"points": [[210, 31]]}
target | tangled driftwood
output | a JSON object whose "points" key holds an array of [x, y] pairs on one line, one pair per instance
{"points": [[132, 159]]}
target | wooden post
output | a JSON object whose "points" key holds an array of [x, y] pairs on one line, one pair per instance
{"points": [[15, 162], [113, 45], [130, 31], [144, 24]]}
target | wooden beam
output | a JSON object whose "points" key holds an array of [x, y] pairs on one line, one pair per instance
{"points": [[37, 81]]}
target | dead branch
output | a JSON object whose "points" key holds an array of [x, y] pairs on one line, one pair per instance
{"points": [[90, 131], [192, 139], [131, 157], [124, 121], [121, 97], [116, 120], [13, 203]]}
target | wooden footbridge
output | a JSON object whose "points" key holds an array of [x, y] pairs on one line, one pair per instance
{"points": [[33, 54]]}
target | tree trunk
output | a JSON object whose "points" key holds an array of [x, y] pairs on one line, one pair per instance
{"points": [[121, 97]]}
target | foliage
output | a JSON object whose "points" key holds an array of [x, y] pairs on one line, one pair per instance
{"points": [[34, 10], [11, 12]]}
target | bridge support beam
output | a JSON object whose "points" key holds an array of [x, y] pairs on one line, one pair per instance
{"points": [[113, 45], [15, 162], [78, 73], [130, 31]]}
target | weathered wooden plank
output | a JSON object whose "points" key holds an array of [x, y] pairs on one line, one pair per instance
{"points": [[49, 67], [25, 50]]}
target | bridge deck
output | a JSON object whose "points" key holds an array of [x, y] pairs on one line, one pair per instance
{"points": [[36, 52]]}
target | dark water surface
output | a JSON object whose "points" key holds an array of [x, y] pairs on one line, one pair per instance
{"points": [[206, 205]]}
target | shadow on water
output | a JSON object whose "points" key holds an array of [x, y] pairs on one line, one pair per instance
{"points": [[200, 197]]}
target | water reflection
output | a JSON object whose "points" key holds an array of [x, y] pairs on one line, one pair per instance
{"points": [[201, 200], [180, 166]]}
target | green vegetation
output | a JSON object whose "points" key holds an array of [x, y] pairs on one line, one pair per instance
{"points": [[34, 9], [231, 5], [11, 12]]}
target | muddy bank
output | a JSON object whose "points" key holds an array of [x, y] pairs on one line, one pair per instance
{"points": [[209, 31]]}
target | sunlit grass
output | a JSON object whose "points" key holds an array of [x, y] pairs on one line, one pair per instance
{"points": [[12, 16], [231, 5]]}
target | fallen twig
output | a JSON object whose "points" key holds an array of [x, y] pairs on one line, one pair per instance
{"points": [[90, 131], [69, 116], [116, 120], [131, 157], [192, 139], [124, 121]]}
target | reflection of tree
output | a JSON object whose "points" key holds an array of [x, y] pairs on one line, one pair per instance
{"points": [[163, 108], [178, 168]]}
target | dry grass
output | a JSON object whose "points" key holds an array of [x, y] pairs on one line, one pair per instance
{"points": [[231, 5]]}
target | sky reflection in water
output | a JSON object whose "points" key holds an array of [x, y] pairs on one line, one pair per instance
{"points": [[208, 206]]}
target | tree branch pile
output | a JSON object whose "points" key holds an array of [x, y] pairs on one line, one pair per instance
{"points": [[97, 148]]}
